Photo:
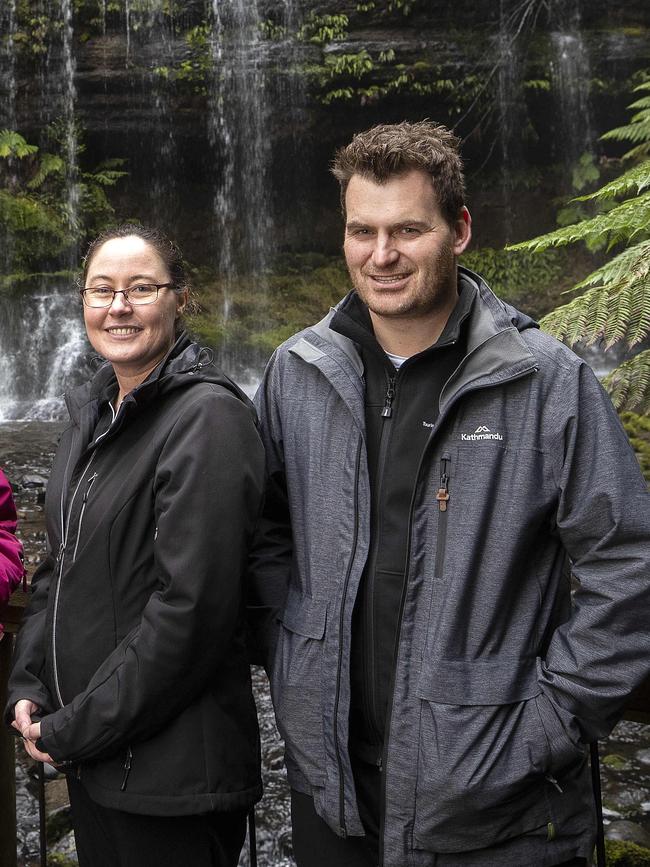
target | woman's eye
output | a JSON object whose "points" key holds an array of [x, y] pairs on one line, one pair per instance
{"points": [[101, 290]]}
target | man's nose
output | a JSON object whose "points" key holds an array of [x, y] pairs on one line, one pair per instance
{"points": [[385, 252]]}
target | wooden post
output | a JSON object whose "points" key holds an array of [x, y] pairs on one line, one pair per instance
{"points": [[10, 618]]}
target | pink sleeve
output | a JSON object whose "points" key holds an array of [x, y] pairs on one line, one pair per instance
{"points": [[11, 561]]}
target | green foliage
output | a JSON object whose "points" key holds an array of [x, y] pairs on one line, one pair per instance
{"points": [[629, 383], [404, 6], [321, 29], [300, 290], [622, 853], [272, 31], [194, 70], [638, 130], [637, 428], [14, 145], [615, 305], [35, 219], [531, 281]]}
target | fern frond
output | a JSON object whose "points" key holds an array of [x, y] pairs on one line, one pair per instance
{"points": [[614, 311], [622, 223], [636, 258], [642, 103], [629, 384], [50, 164], [640, 152], [636, 131], [634, 180], [12, 144]]}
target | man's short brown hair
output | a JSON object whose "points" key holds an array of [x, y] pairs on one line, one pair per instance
{"points": [[387, 150]]}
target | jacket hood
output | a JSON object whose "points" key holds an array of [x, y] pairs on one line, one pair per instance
{"points": [[501, 310], [185, 365]]}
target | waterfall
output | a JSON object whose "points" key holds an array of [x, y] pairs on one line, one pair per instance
{"points": [[69, 97], [8, 19], [43, 349], [237, 118], [509, 107], [570, 71]]}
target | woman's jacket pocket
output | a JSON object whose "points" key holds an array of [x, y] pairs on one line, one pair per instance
{"points": [[483, 754], [296, 684]]}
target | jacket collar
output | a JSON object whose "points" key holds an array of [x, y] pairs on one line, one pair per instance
{"points": [[496, 352]]}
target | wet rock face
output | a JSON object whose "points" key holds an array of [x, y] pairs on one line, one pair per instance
{"points": [[130, 109]]}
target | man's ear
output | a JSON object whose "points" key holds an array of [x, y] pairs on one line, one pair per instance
{"points": [[463, 230]]}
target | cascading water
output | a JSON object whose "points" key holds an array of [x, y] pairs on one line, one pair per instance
{"points": [[237, 118], [43, 347], [42, 344], [8, 106], [570, 70]]}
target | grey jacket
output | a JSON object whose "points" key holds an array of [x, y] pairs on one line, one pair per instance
{"points": [[499, 680]]}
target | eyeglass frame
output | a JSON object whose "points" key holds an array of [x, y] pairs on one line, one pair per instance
{"points": [[125, 293]]}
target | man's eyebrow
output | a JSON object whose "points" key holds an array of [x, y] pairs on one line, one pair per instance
{"points": [[402, 224]]}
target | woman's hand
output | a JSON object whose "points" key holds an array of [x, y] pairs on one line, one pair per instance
{"points": [[30, 731]]}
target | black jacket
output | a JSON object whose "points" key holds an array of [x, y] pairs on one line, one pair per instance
{"points": [[133, 643]]}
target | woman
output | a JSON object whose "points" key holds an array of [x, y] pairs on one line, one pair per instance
{"points": [[11, 552], [130, 670]]}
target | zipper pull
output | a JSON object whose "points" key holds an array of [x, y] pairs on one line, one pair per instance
{"points": [[127, 769], [551, 779], [443, 491], [387, 411], [89, 486]]}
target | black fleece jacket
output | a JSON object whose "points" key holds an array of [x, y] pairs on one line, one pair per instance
{"points": [[133, 644]]}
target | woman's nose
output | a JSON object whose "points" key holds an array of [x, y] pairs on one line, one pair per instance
{"points": [[120, 303]]}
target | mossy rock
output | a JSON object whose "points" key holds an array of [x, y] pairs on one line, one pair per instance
{"points": [[614, 761], [56, 859], [621, 853], [637, 428], [59, 823]]}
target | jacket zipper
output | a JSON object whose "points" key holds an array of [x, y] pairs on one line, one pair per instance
{"points": [[439, 557], [370, 693], [81, 515], [57, 589], [340, 659], [65, 531], [127, 769], [443, 505]]}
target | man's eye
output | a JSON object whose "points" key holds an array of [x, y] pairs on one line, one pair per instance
{"points": [[409, 230]]}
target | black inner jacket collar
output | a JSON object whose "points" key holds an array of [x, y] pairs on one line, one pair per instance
{"points": [[352, 319]]}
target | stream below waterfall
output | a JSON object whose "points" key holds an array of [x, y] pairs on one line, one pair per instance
{"points": [[26, 450]]}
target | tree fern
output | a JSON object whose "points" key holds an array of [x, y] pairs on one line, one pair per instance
{"points": [[615, 304], [629, 384]]}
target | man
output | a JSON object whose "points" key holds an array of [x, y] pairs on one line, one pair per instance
{"points": [[435, 461]]}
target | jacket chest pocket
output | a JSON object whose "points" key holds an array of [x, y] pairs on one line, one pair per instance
{"points": [[296, 684]]}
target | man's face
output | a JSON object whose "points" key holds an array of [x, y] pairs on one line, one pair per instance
{"points": [[400, 250]]}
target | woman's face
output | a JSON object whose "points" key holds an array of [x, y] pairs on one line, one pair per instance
{"points": [[134, 338]]}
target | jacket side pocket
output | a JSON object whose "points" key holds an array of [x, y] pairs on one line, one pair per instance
{"points": [[296, 680]]}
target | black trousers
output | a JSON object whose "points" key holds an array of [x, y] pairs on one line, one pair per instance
{"points": [[112, 838], [316, 845]]}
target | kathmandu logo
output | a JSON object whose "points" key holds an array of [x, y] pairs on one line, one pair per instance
{"points": [[481, 433]]}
